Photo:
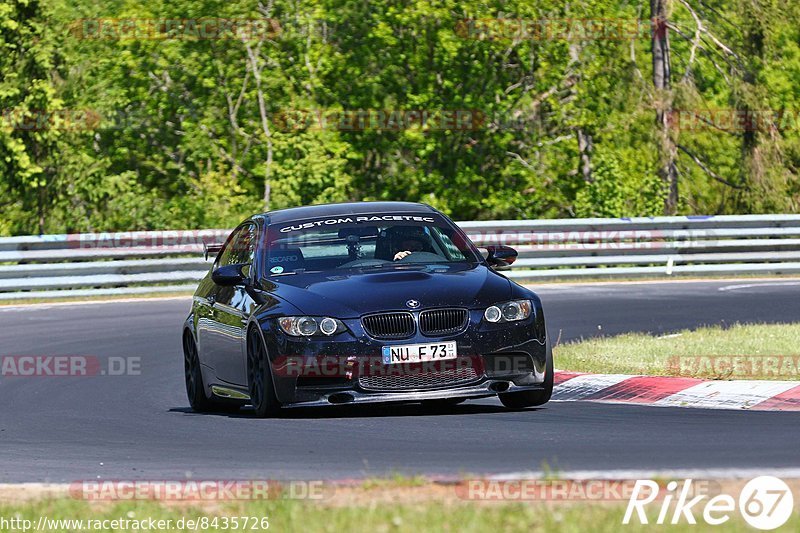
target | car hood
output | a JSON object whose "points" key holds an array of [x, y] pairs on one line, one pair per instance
{"points": [[355, 293]]}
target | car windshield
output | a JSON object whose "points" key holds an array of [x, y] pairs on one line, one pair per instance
{"points": [[365, 242]]}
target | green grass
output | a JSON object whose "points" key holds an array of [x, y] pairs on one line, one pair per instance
{"points": [[288, 516], [755, 351]]}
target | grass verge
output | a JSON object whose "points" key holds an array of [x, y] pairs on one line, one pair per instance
{"points": [[292, 515], [753, 351]]}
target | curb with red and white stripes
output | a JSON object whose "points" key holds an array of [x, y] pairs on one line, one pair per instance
{"points": [[678, 392]]}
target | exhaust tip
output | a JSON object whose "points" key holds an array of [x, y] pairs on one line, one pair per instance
{"points": [[500, 386], [340, 397]]}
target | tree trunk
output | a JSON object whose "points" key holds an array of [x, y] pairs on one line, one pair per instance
{"points": [[40, 204], [668, 151], [585, 142], [585, 147], [256, 67], [758, 153]]}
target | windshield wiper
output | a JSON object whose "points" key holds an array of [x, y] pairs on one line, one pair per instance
{"points": [[399, 266]]}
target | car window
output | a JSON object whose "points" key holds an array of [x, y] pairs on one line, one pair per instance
{"points": [[322, 245], [451, 250], [240, 247]]}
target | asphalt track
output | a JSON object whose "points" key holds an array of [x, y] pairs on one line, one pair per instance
{"points": [[63, 429]]}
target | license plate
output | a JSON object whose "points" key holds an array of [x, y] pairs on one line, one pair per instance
{"points": [[419, 353]]}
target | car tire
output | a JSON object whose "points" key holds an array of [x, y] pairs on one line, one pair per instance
{"points": [[533, 398], [195, 387], [259, 378]]}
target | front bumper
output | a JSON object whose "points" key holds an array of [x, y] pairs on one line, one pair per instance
{"points": [[482, 390], [490, 345]]}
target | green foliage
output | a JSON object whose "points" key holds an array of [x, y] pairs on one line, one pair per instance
{"points": [[605, 195], [30, 138], [191, 132]]}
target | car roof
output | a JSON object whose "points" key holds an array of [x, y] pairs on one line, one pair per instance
{"points": [[342, 209]]}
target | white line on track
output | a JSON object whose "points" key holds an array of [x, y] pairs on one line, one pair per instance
{"points": [[756, 285]]}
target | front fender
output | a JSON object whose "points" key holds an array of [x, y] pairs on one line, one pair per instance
{"points": [[262, 321]]}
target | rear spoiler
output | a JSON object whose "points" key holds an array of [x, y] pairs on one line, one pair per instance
{"points": [[210, 249]]}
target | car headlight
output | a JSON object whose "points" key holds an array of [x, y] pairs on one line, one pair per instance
{"points": [[512, 311], [306, 326]]}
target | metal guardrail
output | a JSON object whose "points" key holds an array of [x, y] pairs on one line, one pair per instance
{"points": [[82, 265]]}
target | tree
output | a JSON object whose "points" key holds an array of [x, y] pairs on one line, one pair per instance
{"points": [[33, 125]]}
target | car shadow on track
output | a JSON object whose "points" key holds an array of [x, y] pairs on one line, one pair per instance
{"points": [[363, 411]]}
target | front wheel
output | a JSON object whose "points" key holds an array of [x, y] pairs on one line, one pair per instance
{"points": [[259, 378], [533, 398]]}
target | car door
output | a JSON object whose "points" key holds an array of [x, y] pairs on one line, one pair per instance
{"points": [[230, 310]]}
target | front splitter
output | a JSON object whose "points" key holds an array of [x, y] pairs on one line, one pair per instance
{"points": [[481, 390]]}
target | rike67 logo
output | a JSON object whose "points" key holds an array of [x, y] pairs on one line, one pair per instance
{"points": [[765, 503]]}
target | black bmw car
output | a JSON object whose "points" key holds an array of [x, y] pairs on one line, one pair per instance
{"points": [[362, 302]]}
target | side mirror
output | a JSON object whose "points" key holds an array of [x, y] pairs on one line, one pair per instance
{"points": [[230, 275], [501, 257]]}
